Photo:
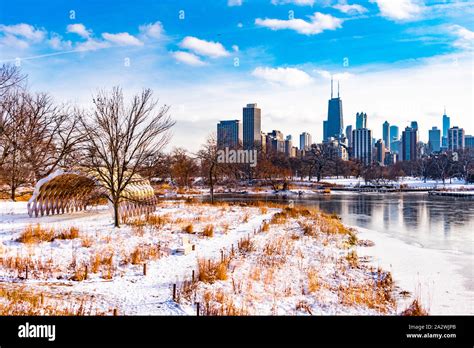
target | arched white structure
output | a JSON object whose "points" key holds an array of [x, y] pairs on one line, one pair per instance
{"points": [[63, 192]]}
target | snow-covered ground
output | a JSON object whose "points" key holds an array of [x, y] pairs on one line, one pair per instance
{"points": [[272, 279], [437, 277]]}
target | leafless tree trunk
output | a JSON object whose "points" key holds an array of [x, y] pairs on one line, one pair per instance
{"points": [[118, 138], [209, 164]]}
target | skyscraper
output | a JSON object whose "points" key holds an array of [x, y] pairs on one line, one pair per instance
{"points": [[469, 141], [380, 149], [276, 141], [434, 140], [408, 144], [362, 145], [393, 133], [455, 138], [305, 141], [229, 133], [414, 125], [446, 126], [349, 135], [386, 135], [333, 127], [252, 126], [361, 120]]}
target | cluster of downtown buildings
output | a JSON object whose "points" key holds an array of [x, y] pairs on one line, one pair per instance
{"points": [[355, 143]]}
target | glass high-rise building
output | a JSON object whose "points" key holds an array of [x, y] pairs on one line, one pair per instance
{"points": [[333, 127], [434, 140], [252, 126], [349, 135], [408, 144], [305, 141], [394, 133], [446, 126], [386, 135], [229, 134], [361, 120], [455, 138], [362, 145]]}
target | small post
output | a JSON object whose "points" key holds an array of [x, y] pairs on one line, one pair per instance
{"points": [[197, 309], [174, 292], [222, 255], [115, 312], [86, 273], [144, 269], [209, 263], [42, 299], [193, 276], [26, 271], [232, 249]]}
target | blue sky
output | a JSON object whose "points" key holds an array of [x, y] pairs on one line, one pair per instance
{"points": [[396, 59]]}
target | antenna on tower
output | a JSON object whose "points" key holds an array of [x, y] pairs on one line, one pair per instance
{"points": [[331, 86], [445, 109], [338, 88]]}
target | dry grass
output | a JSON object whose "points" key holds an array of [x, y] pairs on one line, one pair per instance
{"points": [[314, 283], [142, 253], [37, 234], [245, 245], [218, 303], [22, 301], [210, 271], [353, 259], [188, 229], [415, 309], [86, 242], [208, 231], [37, 269], [265, 226]]}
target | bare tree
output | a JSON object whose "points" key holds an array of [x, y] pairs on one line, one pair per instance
{"points": [[183, 167], [10, 77], [209, 163], [118, 138], [318, 158]]}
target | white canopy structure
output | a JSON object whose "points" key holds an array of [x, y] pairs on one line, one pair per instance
{"points": [[64, 192]]}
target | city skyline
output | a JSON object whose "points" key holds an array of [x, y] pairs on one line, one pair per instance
{"points": [[207, 69]]}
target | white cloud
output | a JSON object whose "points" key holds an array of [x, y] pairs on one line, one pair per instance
{"points": [[188, 58], [152, 30], [56, 42], [122, 39], [24, 31], [235, 48], [291, 77], [465, 37], [399, 10], [13, 42], [318, 23], [294, 2], [234, 2], [337, 76], [79, 29], [350, 9], [203, 47], [92, 45]]}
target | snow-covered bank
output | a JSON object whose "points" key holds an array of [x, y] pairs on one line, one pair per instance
{"points": [[438, 277]]}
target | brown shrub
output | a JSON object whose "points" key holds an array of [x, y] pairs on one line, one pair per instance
{"points": [[210, 271], [208, 231], [415, 309]]}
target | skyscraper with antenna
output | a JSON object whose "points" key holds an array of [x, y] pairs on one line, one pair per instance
{"points": [[334, 125]]}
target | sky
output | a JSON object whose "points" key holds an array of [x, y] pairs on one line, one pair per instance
{"points": [[396, 60]]}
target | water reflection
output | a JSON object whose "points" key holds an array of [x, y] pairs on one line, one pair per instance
{"points": [[434, 222]]}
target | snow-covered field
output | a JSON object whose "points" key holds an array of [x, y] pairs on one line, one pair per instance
{"points": [[299, 263]]}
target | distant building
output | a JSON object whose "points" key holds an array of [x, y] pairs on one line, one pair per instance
{"points": [[276, 141], [349, 135], [455, 138], [390, 158], [380, 151], [386, 135], [414, 125], [229, 134], [395, 146], [393, 133], [252, 126], [333, 126], [446, 126], [288, 146], [469, 141], [408, 150], [434, 140], [361, 120], [305, 141], [362, 145]]}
